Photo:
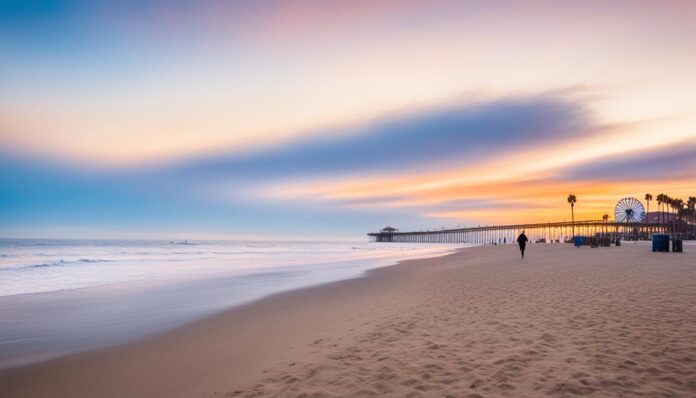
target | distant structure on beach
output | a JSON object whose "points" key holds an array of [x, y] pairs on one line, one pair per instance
{"points": [[631, 222], [629, 210]]}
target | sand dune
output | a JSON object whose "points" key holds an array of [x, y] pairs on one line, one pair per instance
{"points": [[562, 322]]}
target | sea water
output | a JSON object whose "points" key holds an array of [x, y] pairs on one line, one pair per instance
{"points": [[63, 296], [34, 266]]}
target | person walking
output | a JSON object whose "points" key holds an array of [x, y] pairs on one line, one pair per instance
{"points": [[522, 240]]}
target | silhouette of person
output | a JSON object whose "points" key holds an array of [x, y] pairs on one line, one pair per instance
{"points": [[522, 240]]}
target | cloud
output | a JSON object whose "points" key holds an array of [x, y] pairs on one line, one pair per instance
{"points": [[192, 192], [429, 138], [666, 162], [402, 169]]}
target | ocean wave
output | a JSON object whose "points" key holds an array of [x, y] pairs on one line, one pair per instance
{"points": [[89, 260], [58, 263], [275, 253], [159, 253]]}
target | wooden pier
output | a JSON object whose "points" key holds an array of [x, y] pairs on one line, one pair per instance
{"points": [[541, 232]]}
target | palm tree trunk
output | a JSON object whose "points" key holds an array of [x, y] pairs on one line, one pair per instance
{"points": [[662, 214]]}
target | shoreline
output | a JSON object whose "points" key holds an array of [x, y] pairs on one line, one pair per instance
{"points": [[41, 326], [334, 338], [159, 342]]}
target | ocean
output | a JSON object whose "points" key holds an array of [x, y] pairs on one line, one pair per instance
{"points": [[63, 296]]}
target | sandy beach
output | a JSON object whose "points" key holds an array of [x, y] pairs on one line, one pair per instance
{"points": [[564, 321]]}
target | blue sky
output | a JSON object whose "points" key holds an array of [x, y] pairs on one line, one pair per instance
{"points": [[308, 119]]}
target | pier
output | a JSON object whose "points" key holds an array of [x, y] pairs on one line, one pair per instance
{"points": [[551, 232]]}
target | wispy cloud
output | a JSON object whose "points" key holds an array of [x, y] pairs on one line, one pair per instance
{"points": [[669, 161], [450, 134], [455, 163]]}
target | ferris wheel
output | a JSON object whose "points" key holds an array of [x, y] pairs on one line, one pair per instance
{"points": [[629, 210]]}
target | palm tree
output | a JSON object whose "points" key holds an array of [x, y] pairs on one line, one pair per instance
{"points": [[679, 206], [572, 199], [673, 205], [670, 209], [605, 218], [660, 201], [691, 205], [648, 198]]}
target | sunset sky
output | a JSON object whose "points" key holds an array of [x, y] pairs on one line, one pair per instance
{"points": [[310, 119]]}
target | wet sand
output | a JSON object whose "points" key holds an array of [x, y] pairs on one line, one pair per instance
{"points": [[564, 321]]}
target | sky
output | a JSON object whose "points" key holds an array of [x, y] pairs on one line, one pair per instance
{"points": [[322, 119]]}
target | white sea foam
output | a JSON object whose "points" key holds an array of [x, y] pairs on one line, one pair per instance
{"points": [[60, 297], [35, 266]]}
